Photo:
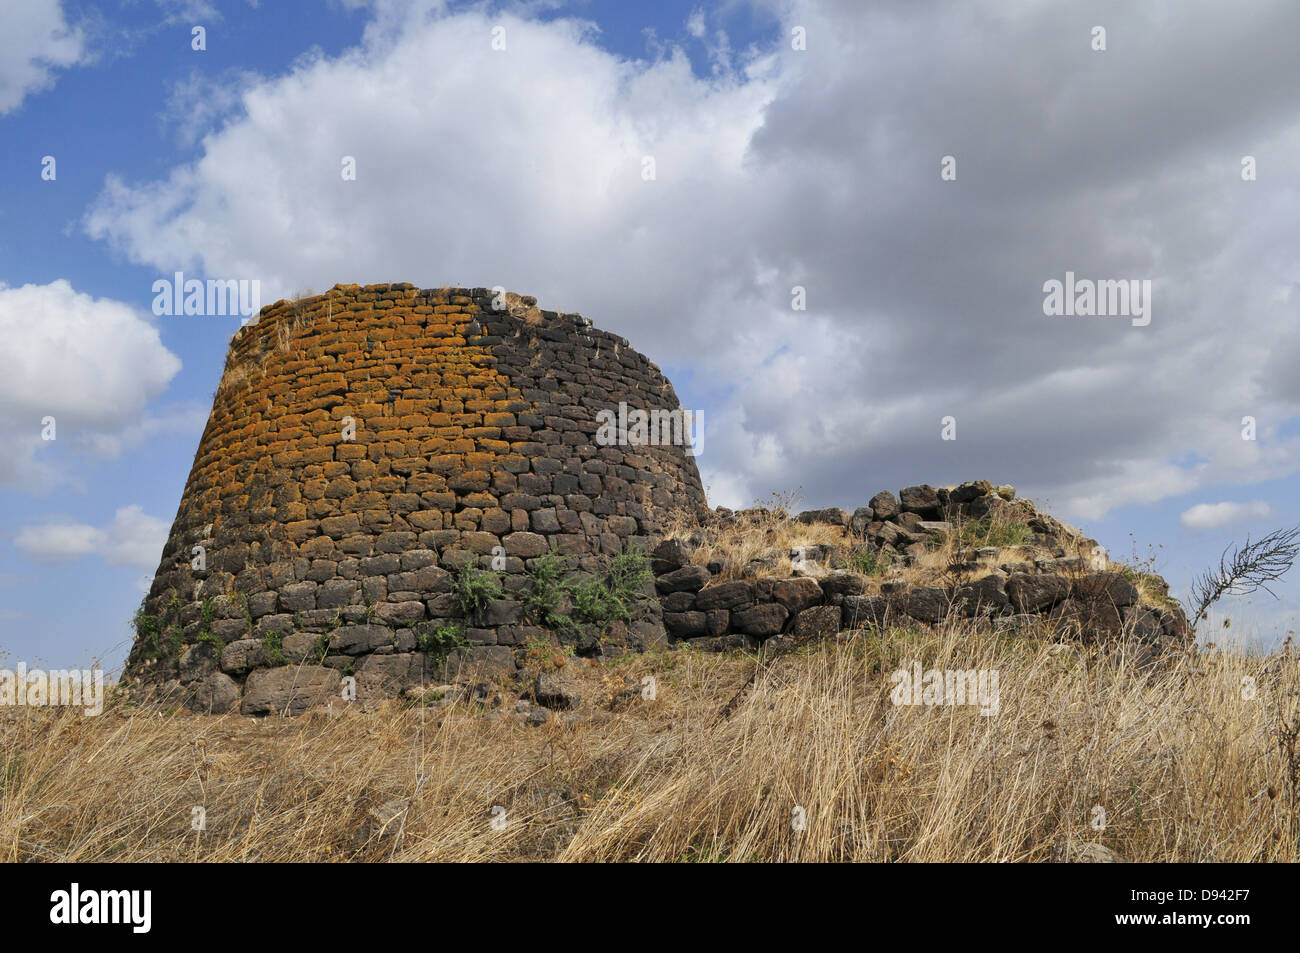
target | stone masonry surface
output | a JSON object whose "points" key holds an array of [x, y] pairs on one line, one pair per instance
{"points": [[364, 445]]}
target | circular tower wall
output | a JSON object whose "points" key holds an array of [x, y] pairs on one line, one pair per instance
{"points": [[366, 444]]}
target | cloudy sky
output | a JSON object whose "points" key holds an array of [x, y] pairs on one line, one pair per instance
{"points": [[795, 144]]}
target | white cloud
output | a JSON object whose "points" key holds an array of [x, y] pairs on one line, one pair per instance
{"points": [[185, 420], [91, 364], [133, 538], [200, 101], [35, 40], [819, 168], [1214, 515], [195, 12]]}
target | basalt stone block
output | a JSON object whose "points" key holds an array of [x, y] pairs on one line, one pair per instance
{"points": [[762, 620], [1174, 624], [910, 523], [884, 505], [934, 527], [1066, 564], [648, 634], [397, 614], [928, 604], [227, 630], [526, 545], [197, 661], [1087, 622], [216, 694], [1020, 623], [817, 622], [493, 661], [1036, 592], [686, 579], [669, 555], [865, 612], [970, 490], [502, 612], [241, 656], [561, 689], [338, 592], [289, 689], [922, 499], [1111, 588], [678, 601], [725, 595], [724, 643], [795, 594], [1144, 624], [298, 596], [262, 603], [832, 516], [995, 507], [360, 639], [387, 676], [983, 597], [418, 559], [685, 625], [837, 585], [271, 624], [862, 518], [301, 646]]}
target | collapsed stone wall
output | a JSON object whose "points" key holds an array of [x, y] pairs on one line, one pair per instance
{"points": [[1057, 581], [366, 444]]}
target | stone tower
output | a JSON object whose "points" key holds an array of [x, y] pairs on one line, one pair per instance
{"points": [[367, 443]]}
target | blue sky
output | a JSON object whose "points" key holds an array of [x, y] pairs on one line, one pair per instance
{"points": [[776, 167]]}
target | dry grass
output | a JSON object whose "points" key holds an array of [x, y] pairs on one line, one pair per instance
{"points": [[769, 527], [745, 539], [1185, 767]]}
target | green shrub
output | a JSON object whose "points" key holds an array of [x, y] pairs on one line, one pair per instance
{"points": [[628, 574], [595, 601], [869, 562], [148, 630], [206, 636], [438, 641], [600, 600], [610, 598], [984, 532], [273, 648], [173, 633], [474, 589], [546, 589]]}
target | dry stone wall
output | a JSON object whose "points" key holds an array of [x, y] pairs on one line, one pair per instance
{"points": [[1058, 582], [365, 445]]}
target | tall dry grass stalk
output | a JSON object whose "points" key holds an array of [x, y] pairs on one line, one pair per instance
{"points": [[1185, 767]]}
